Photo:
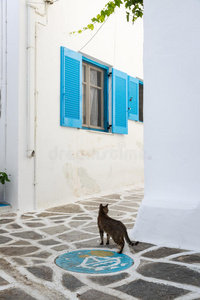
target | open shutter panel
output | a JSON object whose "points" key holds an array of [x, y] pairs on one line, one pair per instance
{"points": [[133, 98], [71, 88], [119, 102]]}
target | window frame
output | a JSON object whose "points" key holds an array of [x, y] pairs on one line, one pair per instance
{"points": [[88, 85], [105, 94]]}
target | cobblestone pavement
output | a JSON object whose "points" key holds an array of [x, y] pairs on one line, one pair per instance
{"points": [[30, 243]]}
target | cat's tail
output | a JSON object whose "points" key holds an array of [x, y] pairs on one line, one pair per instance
{"points": [[129, 241]]}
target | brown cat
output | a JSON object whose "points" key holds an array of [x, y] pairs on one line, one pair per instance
{"points": [[115, 229]]}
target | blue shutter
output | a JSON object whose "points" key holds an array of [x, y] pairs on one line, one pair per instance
{"points": [[71, 88], [119, 102], [133, 98]]}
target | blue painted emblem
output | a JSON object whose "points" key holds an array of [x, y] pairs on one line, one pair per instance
{"points": [[94, 261]]}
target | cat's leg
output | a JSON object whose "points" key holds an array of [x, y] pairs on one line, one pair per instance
{"points": [[101, 236], [121, 245], [108, 237]]}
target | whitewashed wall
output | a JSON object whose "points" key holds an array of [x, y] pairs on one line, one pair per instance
{"points": [[70, 163], [13, 122], [170, 211]]}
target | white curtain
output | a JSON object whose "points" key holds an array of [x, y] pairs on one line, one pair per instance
{"points": [[94, 106]]}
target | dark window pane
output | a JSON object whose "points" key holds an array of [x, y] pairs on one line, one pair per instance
{"points": [[84, 73], [141, 102], [84, 103]]}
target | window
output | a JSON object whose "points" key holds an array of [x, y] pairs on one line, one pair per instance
{"points": [[135, 99], [93, 96], [87, 100]]}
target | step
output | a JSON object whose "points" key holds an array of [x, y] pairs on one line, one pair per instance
{"points": [[4, 207]]}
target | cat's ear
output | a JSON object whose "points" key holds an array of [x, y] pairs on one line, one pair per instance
{"points": [[100, 206], [106, 205]]}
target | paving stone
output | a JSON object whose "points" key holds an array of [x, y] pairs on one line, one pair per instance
{"points": [[4, 239], [41, 272], [60, 247], [71, 283], [47, 214], [122, 209], [144, 290], [170, 272], [35, 219], [129, 225], [35, 225], [26, 217], [59, 218], [2, 231], [162, 252], [59, 222], [20, 261], [133, 215], [93, 229], [93, 294], [89, 202], [113, 196], [107, 201], [15, 294], [94, 243], [17, 251], [3, 281], [128, 197], [29, 235], [42, 254], [189, 258], [105, 280], [49, 242], [91, 208], [76, 224], [13, 226], [55, 229], [70, 208], [37, 261], [132, 204], [75, 235], [91, 224], [128, 220], [21, 242], [5, 221], [116, 214], [85, 218], [135, 198], [8, 215], [142, 246]]}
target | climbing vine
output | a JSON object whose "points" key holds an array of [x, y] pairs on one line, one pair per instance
{"points": [[134, 10]]}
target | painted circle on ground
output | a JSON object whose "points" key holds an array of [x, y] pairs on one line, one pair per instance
{"points": [[94, 261]]}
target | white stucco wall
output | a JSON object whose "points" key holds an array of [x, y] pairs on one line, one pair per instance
{"points": [[9, 99], [13, 122], [80, 163], [171, 207], [69, 163]]}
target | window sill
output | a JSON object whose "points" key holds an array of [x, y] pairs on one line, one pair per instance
{"points": [[91, 130]]}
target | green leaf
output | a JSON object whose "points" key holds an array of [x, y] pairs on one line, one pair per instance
{"points": [[127, 16], [118, 3], [90, 26], [4, 177], [135, 6]]}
